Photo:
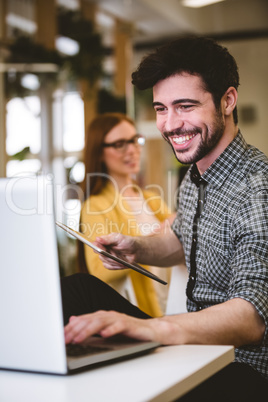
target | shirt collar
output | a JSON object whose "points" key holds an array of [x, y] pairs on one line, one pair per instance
{"points": [[222, 167], [195, 176]]}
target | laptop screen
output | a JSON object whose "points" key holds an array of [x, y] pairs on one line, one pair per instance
{"points": [[30, 297], [30, 294]]}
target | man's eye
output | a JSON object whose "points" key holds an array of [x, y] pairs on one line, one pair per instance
{"points": [[159, 109], [185, 107]]}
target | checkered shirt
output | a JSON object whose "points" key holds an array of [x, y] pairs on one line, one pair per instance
{"points": [[232, 236]]}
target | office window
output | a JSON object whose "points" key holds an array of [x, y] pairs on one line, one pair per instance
{"points": [[28, 166], [73, 122], [23, 125], [23, 142]]}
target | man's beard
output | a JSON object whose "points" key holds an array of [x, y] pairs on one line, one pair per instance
{"points": [[208, 141]]}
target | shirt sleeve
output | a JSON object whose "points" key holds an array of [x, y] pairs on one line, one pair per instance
{"points": [[250, 256]]}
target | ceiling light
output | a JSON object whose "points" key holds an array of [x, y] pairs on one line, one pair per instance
{"points": [[199, 3], [67, 46], [69, 4], [24, 24], [30, 81]]}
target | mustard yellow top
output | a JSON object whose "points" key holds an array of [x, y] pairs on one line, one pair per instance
{"points": [[109, 212]]}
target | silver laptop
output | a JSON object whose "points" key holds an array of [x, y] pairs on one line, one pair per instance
{"points": [[32, 336]]}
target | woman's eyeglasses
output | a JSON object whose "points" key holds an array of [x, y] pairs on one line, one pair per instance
{"points": [[121, 145]]}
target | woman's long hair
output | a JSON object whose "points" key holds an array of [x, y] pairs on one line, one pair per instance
{"points": [[94, 165]]}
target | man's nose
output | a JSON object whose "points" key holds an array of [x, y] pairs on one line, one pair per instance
{"points": [[173, 121]]}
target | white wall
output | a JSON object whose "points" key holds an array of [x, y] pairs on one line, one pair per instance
{"points": [[252, 58]]}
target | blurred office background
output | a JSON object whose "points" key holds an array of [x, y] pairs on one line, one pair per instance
{"points": [[63, 61]]}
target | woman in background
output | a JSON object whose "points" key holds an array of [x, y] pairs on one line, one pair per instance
{"points": [[115, 203]]}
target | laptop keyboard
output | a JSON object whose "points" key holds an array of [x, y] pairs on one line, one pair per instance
{"points": [[75, 350]]}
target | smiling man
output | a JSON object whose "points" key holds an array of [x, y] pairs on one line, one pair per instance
{"points": [[220, 228], [195, 130]]}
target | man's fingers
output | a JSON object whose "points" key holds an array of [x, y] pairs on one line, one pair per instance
{"points": [[111, 264], [107, 324], [73, 329], [82, 327]]}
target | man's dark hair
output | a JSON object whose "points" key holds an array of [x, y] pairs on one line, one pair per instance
{"points": [[194, 55]]}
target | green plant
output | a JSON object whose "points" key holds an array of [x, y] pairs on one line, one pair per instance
{"points": [[86, 64]]}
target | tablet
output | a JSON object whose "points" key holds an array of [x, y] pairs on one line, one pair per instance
{"points": [[134, 266]]}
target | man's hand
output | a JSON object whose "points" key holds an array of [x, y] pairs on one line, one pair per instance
{"points": [[119, 245], [109, 323]]}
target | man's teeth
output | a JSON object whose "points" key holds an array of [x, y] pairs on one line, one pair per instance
{"points": [[183, 138]]}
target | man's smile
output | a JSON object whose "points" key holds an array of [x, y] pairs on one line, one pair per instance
{"points": [[182, 139]]}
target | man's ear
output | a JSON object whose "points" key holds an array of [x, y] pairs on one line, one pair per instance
{"points": [[229, 100]]}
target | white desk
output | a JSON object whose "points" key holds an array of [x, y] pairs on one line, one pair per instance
{"points": [[163, 375]]}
